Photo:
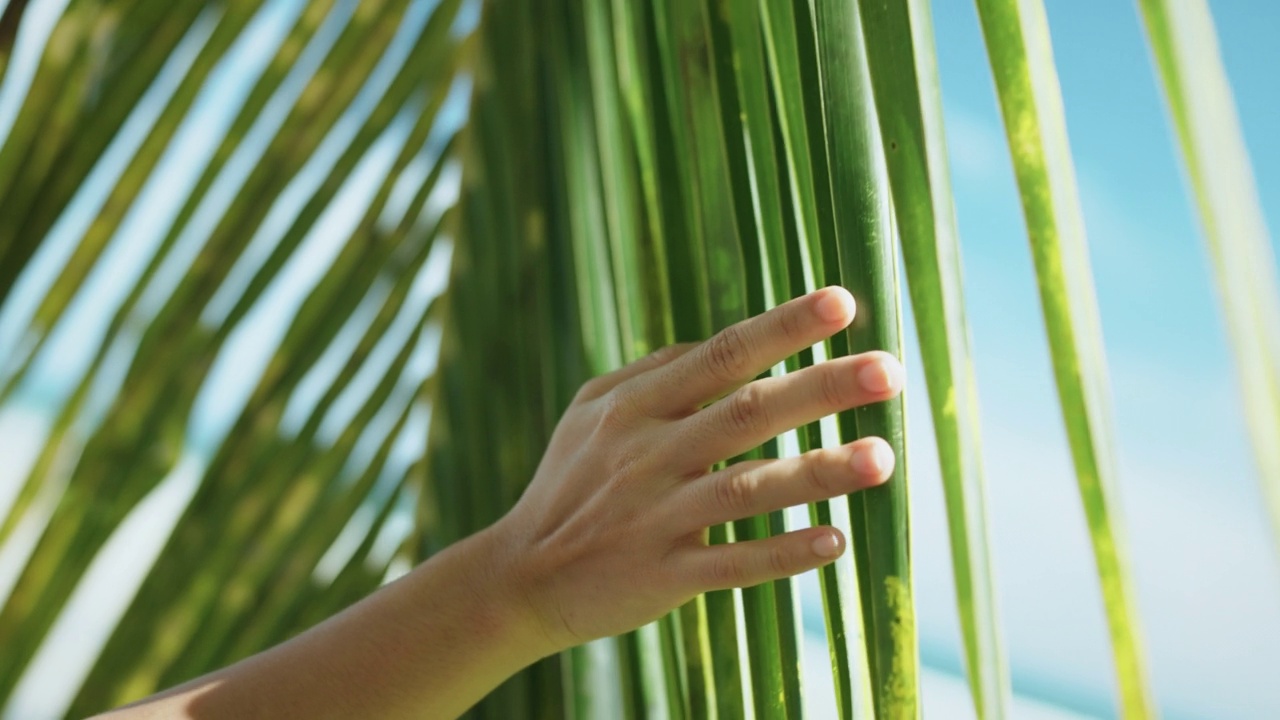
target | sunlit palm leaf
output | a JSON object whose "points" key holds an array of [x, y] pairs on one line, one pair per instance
{"points": [[1017, 35], [632, 174], [1185, 50], [899, 39]]}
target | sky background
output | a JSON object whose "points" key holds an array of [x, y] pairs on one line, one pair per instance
{"points": [[1208, 585]]}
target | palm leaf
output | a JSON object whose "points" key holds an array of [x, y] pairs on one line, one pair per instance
{"points": [[629, 174], [1184, 47], [142, 401], [899, 40], [9, 22], [1018, 45]]}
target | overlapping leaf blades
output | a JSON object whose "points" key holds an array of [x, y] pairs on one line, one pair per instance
{"points": [[373, 92], [689, 169], [635, 173]]}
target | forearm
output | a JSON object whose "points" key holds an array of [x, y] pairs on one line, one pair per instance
{"points": [[429, 645], [609, 534]]}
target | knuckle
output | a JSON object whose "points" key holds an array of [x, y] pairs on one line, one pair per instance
{"points": [[816, 473], [618, 411], [727, 570], [790, 326], [747, 414], [590, 389], [735, 493], [834, 389], [669, 563], [778, 560], [726, 355]]}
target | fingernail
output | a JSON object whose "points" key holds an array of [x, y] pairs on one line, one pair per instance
{"points": [[876, 376], [827, 545], [834, 305], [871, 459]]}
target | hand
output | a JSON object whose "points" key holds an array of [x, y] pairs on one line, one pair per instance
{"points": [[610, 533], [608, 536]]}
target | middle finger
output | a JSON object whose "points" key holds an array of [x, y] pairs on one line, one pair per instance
{"points": [[769, 407]]}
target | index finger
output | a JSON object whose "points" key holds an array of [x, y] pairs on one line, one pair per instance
{"points": [[740, 352]]}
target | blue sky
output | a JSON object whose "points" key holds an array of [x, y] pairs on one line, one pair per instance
{"points": [[1208, 586]]}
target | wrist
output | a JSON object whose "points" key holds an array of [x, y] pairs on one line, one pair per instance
{"points": [[505, 583]]}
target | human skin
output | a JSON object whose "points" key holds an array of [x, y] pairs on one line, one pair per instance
{"points": [[609, 535]]}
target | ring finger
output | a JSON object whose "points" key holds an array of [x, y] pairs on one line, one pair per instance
{"points": [[752, 488]]}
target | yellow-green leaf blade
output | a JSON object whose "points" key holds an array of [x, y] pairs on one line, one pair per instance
{"points": [[1018, 45], [1185, 49], [900, 51]]}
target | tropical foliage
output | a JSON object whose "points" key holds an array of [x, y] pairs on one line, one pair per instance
{"points": [[631, 174]]}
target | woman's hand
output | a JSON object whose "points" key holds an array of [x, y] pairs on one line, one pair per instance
{"points": [[610, 533], [608, 536]]}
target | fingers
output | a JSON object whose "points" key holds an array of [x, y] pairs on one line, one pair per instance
{"points": [[598, 386], [753, 488], [766, 408], [741, 352], [742, 564]]}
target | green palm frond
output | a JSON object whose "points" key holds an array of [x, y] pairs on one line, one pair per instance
{"points": [[356, 92], [1185, 49], [1017, 35], [263, 246]]}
